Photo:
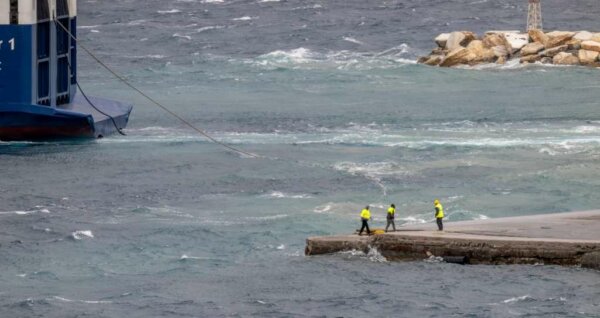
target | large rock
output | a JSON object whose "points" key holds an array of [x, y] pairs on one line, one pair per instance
{"points": [[583, 36], [574, 44], [459, 39], [590, 46], [553, 51], [532, 48], [442, 39], [564, 58], [493, 40], [587, 57], [516, 40], [538, 36], [481, 53], [558, 40], [596, 37], [434, 60], [500, 51], [554, 34], [458, 56], [530, 58]]}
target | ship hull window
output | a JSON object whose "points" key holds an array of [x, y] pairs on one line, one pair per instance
{"points": [[43, 11], [14, 11]]}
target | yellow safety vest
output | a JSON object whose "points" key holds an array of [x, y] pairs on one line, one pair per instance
{"points": [[440, 213], [365, 214], [391, 211]]}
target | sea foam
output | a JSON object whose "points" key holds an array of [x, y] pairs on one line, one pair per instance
{"points": [[79, 235]]}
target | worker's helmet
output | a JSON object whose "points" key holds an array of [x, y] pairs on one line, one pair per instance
{"points": [[436, 201], [393, 206], [367, 207]]}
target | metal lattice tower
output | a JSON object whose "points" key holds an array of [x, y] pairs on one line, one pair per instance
{"points": [[534, 16]]}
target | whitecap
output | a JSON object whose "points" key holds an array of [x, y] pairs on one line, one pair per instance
{"points": [[211, 1], [352, 40], [282, 195], [79, 235], [409, 220], [375, 256], [137, 22], [95, 31], [372, 255], [210, 27], [184, 257], [245, 18], [168, 11], [82, 301], [177, 35], [516, 299], [281, 247], [322, 208], [266, 218]]}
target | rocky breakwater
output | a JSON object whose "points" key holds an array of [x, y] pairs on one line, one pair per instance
{"points": [[556, 47]]}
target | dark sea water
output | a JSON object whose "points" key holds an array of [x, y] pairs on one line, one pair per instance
{"points": [[162, 223]]}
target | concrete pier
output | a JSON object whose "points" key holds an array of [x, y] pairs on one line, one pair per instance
{"points": [[571, 238]]}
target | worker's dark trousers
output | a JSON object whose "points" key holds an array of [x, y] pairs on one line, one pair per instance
{"points": [[390, 221], [364, 225], [440, 224]]}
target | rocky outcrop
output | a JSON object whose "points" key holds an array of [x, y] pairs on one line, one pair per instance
{"points": [[535, 46], [456, 57], [459, 39], [588, 57], [590, 46], [538, 36], [532, 48], [564, 58]]}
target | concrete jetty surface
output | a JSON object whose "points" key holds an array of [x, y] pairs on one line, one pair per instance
{"points": [[571, 238]]}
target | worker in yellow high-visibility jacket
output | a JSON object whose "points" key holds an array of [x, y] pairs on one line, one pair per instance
{"points": [[439, 214], [365, 216], [391, 214]]}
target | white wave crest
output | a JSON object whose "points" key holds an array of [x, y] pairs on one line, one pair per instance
{"points": [[182, 36], [517, 299], [303, 58], [266, 218], [323, 208], [282, 195], [82, 301], [38, 209], [168, 11], [186, 257], [372, 169], [79, 235], [210, 27], [352, 40], [245, 18], [372, 255]]}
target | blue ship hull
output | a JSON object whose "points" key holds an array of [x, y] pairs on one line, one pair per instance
{"points": [[76, 120], [38, 77]]}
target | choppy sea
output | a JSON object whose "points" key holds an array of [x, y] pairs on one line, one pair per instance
{"points": [[162, 223]]}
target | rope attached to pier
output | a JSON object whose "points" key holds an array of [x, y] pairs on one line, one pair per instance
{"points": [[152, 100]]}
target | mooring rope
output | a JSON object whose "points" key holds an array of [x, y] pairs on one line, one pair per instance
{"points": [[152, 100]]}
